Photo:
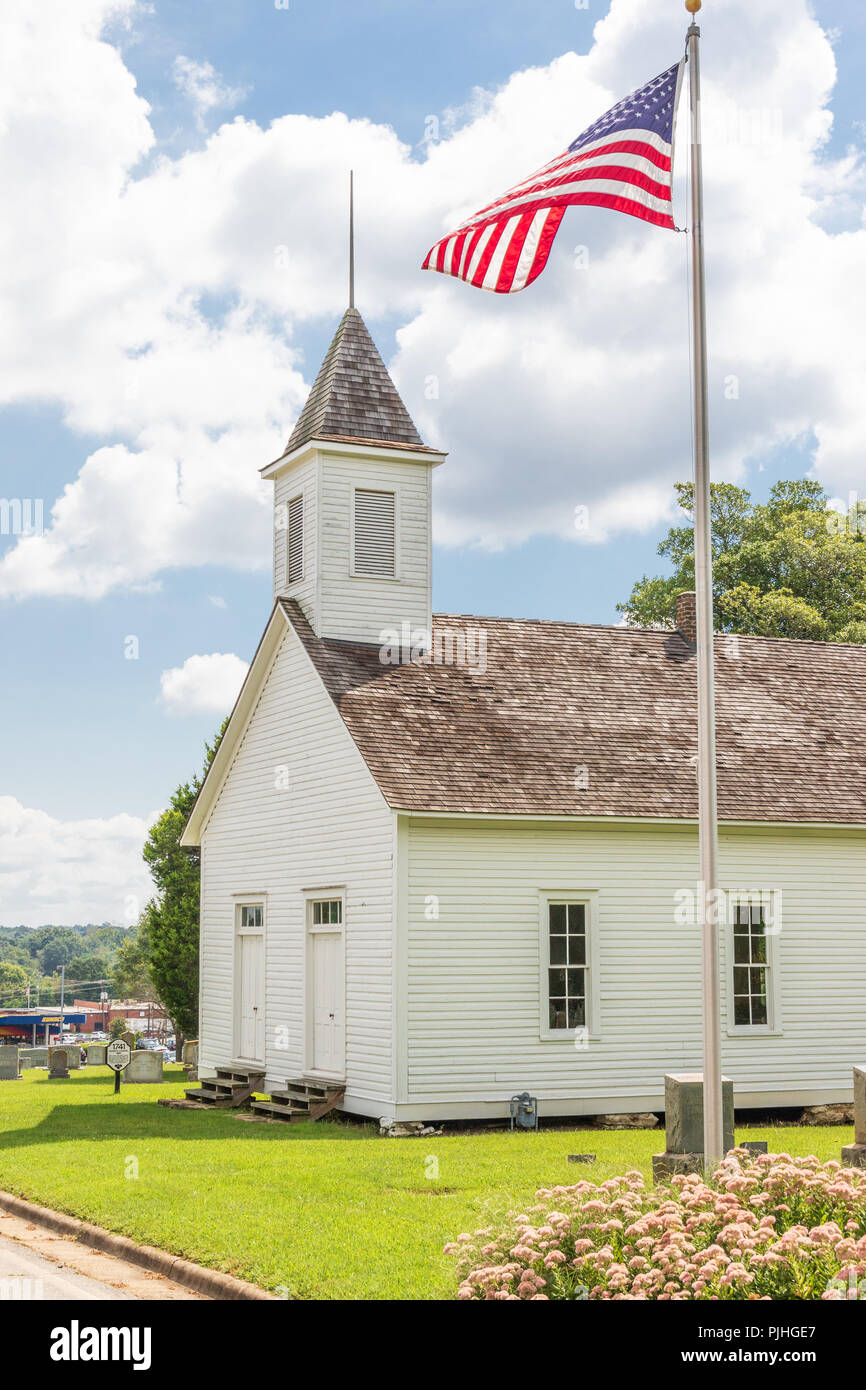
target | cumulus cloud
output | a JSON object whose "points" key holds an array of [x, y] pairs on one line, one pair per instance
{"points": [[70, 871], [203, 87], [159, 310], [203, 684]]}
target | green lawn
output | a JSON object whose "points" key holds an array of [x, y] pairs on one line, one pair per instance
{"points": [[315, 1210]]}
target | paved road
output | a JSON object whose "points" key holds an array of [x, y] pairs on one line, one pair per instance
{"points": [[26, 1275], [35, 1263]]}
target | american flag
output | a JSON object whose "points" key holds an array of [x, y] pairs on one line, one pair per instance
{"points": [[623, 161]]}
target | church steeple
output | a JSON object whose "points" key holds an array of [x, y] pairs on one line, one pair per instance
{"points": [[352, 502], [352, 497], [353, 397]]}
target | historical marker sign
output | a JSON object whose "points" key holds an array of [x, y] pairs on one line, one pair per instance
{"points": [[118, 1054]]}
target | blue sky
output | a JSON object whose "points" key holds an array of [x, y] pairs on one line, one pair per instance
{"points": [[87, 736]]}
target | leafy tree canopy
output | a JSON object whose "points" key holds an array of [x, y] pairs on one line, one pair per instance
{"points": [[14, 980], [788, 567], [171, 919], [87, 969], [131, 978]]}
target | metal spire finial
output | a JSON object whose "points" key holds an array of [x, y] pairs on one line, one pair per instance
{"points": [[351, 238]]}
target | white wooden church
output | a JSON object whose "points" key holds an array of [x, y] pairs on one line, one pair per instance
{"points": [[449, 859]]}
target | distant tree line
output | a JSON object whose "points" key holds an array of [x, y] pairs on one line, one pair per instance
{"points": [[155, 960]]}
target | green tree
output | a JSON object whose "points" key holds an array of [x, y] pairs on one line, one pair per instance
{"points": [[11, 951], [14, 980], [131, 978], [788, 567], [117, 1026], [171, 919], [55, 946], [87, 969]]}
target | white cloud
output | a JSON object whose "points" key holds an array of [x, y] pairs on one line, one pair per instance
{"points": [[203, 87], [70, 871], [573, 393], [203, 684]]}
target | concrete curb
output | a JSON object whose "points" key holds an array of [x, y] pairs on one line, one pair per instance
{"points": [[209, 1282]]}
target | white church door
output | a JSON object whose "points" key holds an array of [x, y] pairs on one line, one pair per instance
{"points": [[327, 991], [250, 984]]}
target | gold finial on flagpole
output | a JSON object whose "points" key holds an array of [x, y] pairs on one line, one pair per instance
{"points": [[693, 6]]}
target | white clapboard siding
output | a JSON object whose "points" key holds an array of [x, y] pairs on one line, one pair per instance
{"points": [[329, 828], [356, 606], [472, 982]]}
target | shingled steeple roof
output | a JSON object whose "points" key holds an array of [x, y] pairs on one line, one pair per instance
{"points": [[353, 397]]}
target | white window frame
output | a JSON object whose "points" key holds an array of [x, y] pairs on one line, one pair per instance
{"points": [[588, 898], [353, 570], [310, 896], [773, 1026], [298, 496]]}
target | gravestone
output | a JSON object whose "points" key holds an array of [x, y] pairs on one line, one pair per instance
{"points": [[96, 1054], [684, 1124], [58, 1068], [73, 1056], [9, 1064], [854, 1155], [189, 1058], [128, 1037], [145, 1067], [33, 1057]]}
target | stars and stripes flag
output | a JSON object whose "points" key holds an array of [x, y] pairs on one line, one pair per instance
{"points": [[624, 161]]}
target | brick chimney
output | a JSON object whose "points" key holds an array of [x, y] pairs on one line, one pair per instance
{"points": [[687, 620]]}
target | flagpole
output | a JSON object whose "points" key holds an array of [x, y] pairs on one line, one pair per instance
{"points": [[707, 791]]}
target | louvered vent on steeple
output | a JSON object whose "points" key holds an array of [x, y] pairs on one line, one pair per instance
{"points": [[375, 534], [295, 541]]}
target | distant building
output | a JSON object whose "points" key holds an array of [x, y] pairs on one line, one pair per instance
{"points": [[35, 1026], [140, 1016]]}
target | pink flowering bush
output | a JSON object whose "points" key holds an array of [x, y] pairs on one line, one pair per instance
{"points": [[768, 1227]]}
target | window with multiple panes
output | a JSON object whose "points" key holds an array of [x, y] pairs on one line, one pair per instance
{"points": [[568, 965], [751, 966], [328, 912], [375, 533], [295, 541], [252, 916]]}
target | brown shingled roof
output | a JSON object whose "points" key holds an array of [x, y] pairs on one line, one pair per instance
{"points": [[621, 703], [353, 397]]}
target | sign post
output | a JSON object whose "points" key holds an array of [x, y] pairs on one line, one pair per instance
{"points": [[118, 1056]]}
